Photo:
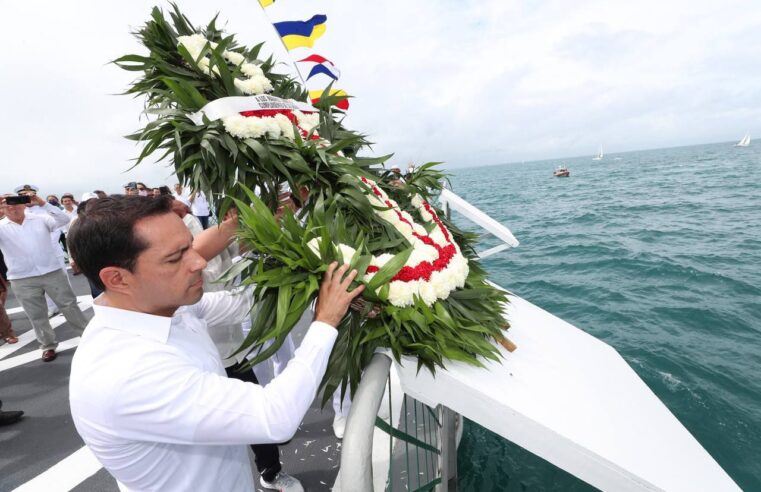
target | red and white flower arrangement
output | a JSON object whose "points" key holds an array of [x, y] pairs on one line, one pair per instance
{"points": [[436, 266], [272, 123]]}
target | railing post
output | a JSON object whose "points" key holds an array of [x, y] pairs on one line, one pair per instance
{"points": [[448, 448], [357, 448]]}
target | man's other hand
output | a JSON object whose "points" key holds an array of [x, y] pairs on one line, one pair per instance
{"points": [[334, 298]]}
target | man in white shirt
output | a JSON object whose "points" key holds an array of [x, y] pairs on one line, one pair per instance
{"points": [[148, 390], [179, 191], [69, 208], [199, 206], [35, 270]]}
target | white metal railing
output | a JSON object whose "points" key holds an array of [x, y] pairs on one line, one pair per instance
{"points": [[422, 449], [449, 201]]}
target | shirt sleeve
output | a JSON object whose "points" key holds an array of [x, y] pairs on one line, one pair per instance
{"points": [[224, 307], [55, 218], [172, 401]]}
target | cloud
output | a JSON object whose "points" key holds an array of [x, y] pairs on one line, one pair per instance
{"points": [[469, 83]]}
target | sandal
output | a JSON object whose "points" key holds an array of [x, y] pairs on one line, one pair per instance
{"points": [[11, 339]]}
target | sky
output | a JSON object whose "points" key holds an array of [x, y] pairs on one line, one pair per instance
{"points": [[468, 83]]}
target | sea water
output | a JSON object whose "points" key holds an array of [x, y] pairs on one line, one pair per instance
{"points": [[657, 253]]}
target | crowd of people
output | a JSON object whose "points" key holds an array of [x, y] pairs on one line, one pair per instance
{"points": [[146, 274]]}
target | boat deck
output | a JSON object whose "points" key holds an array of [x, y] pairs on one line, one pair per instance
{"points": [[44, 452]]}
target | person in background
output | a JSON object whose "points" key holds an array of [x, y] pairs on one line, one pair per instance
{"points": [[155, 192], [165, 191], [34, 270], [53, 200], [178, 191], [199, 206], [142, 190], [130, 189], [87, 199], [69, 206], [70, 209], [55, 237], [6, 329]]}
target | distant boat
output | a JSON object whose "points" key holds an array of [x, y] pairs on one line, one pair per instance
{"points": [[744, 142], [599, 155], [561, 172]]}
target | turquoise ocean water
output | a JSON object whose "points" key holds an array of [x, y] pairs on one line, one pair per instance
{"points": [[657, 253]]}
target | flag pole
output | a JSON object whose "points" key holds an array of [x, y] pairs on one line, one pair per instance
{"points": [[293, 62]]}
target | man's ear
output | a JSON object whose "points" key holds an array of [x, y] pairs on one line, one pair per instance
{"points": [[116, 279]]}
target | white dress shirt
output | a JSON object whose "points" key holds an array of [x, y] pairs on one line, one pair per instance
{"points": [[27, 247], [71, 216], [228, 338], [150, 398]]}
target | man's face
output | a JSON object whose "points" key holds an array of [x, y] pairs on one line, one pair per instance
{"points": [[177, 188], [15, 212], [67, 202], [130, 191], [168, 272]]}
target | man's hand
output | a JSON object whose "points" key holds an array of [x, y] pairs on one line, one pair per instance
{"points": [[334, 298], [36, 200]]}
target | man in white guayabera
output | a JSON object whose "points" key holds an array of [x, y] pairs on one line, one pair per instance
{"points": [[33, 266], [148, 391]]}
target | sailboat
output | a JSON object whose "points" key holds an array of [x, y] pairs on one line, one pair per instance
{"points": [[599, 155], [744, 142]]}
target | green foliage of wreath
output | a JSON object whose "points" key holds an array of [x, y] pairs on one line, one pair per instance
{"points": [[285, 271]]}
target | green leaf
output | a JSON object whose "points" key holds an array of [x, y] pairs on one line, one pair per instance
{"points": [[391, 268]]}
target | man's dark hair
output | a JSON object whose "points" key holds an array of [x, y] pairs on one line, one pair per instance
{"points": [[104, 235]]}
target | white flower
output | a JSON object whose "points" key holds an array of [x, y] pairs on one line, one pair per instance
{"points": [[417, 201], [425, 215], [381, 260], [347, 252], [428, 293], [419, 229], [438, 237], [194, 43], [286, 127], [401, 294], [254, 85], [251, 70], [314, 245], [203, 64], [421, 253], [237, 126], [234, 58], [273, 128], [442, 284], [308, 121]]}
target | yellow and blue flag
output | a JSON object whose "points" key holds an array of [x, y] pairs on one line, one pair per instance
{"points": [[301, 34]]}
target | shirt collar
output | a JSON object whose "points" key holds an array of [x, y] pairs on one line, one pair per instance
{"points": [[140, 324]]}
